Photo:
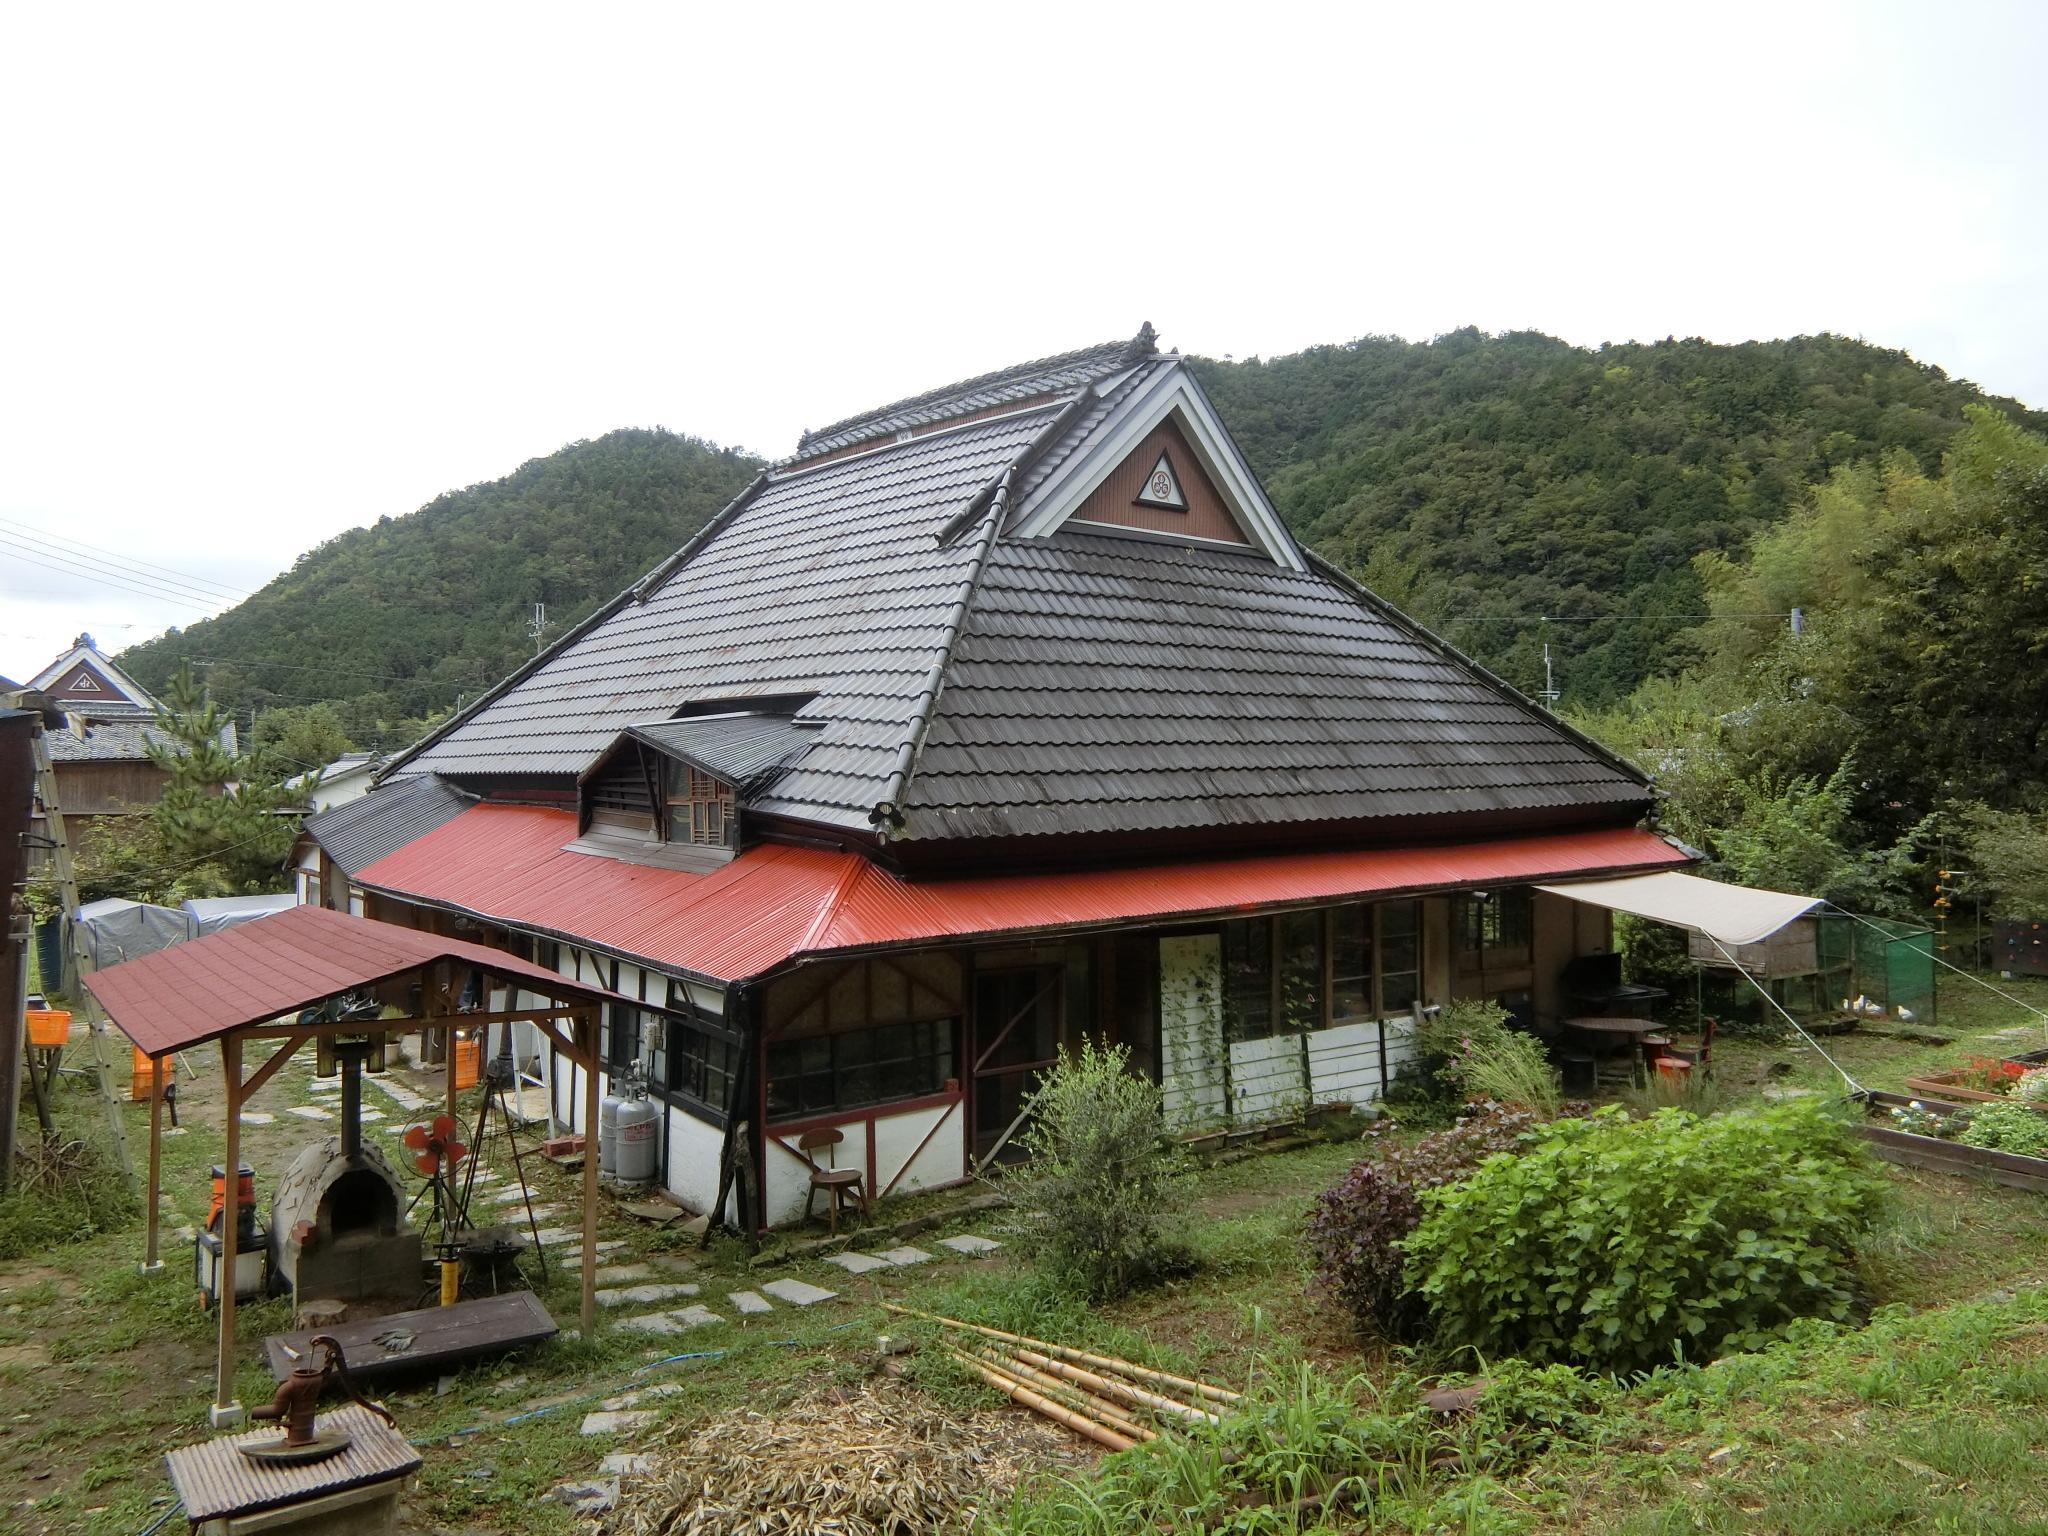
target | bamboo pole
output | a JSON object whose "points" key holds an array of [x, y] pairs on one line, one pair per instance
{"points": [[1115, 1388], [1078, 1356], [1063, 1391], [1017, 1392]]}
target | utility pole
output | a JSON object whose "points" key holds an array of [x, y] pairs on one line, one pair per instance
{"points": [[537, 626], [1550, 693], [67, 892]]}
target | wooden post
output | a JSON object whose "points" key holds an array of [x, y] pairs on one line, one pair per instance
{"points": [[447, 1048], [150, 1262], [588, 1035], [226, 1411]]}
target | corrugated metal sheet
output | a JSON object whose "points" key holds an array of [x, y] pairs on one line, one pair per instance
{"points": [[773, 902], [743, 750], [364, 830], [214, 1479], [269, 966]]}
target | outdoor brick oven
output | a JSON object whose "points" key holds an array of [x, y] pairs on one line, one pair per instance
{"points": [[336, 1226]]}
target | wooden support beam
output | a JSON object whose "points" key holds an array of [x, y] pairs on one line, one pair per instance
{"points": [[588, 1033], [268, 1070], [150, 1262], [562, 1043], [225, 1409]]}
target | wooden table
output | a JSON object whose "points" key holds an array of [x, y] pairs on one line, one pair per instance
{"points": [[438, 1337], [1629, 1031]]}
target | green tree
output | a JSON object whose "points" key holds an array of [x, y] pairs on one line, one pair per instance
{"points": [[225, 828], [297, 739]]}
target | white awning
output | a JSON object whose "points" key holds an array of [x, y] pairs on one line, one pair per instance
{"points": [[1732, 914]]}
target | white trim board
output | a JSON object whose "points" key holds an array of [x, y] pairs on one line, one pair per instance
{"points": [[1174, 394]]}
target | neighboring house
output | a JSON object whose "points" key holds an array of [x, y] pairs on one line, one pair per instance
{"points": [[347, 778], [996, 718]]}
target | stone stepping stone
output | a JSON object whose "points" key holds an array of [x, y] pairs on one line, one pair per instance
{"points": [[575, 1255], [672, 1264], [625, 1274], [310, 1112], [549, 1236], [370, 1116], [798, 1293], [858, 1263], [749, 1303], [626, 1464], [971, 1246], [678, 1320], [510, 1196], [907, 1255], [254, 1117], [397, 1093], [641, 1295], [616, 1421], [324, 1084], [638, 1395]]}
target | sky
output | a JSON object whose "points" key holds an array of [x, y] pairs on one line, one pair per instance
{"points": [[271, 272]]}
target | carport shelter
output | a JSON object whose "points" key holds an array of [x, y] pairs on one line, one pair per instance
{"points": [[252, 981]]}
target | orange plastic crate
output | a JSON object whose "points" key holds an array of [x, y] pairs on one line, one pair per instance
{"points": [[469, 1055], [48, 1027], [139, 1079]]}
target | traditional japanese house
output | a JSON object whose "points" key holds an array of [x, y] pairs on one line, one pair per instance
{"points": [[992, 719]]}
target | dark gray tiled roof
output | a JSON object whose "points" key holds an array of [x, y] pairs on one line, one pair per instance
{"points": [[1047, 376], [358, 834], [830, 581], [744, 750], [124, 740], [1112, 685]]}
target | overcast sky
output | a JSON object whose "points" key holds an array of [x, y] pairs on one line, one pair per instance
{"points": [[272, 272]]}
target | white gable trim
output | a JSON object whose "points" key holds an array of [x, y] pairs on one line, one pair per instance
{"points": [[84, 655], [1173, 393]]}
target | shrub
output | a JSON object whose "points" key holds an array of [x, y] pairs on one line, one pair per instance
{"points": [[1484, 1057], [2008, 1128], [1621, 1243], [1103, 1177], [1356, 1227]]}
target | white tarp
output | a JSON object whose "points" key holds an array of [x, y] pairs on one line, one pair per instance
{"points": [[210, 914], [108, 932], [1733, 914]]}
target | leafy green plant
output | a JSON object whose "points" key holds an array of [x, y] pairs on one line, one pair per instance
{"points": [[2032, 1087], [1483, 1057], [1103, 1180], [1357, 1226], [2008, 1128], [1620, 1244]]}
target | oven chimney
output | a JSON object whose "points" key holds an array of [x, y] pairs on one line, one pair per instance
{"points": [[352, 1054]]}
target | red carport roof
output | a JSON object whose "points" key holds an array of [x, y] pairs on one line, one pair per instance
{"points": [[774, 902], [255, 971]]}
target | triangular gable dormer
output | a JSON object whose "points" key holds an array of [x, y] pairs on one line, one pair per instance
{"points": [[84, 677], [1160, 465], [83, 682]]}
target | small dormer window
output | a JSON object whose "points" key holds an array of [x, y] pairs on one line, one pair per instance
{"points": [[701, 809]]}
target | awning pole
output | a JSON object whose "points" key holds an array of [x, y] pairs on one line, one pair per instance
{"points": [[1854, 1086]]}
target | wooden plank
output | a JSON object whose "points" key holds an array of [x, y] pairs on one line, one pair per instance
{"points": [[465, 1330]]}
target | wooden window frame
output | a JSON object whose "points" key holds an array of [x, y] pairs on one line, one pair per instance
{"points": [[1487, 957], [1327, 1018]]}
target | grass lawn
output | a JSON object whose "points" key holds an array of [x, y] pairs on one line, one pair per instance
{"points": [[1930, 1417]]}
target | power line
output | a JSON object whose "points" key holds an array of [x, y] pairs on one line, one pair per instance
{"points": [[94, 565], [100, 578], [146, 566]]}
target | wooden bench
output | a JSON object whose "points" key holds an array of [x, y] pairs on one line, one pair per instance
{"points": [[439, 1337]]}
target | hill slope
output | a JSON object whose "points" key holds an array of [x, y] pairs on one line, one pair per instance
{"points": [[399, 619], [1480, 481]]}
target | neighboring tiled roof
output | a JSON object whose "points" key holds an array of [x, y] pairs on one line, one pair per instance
{"points": [[776, 901], [830, 581], [1047, 376], [107, 741], [744, 750], [1110, 685], [390, 816]]}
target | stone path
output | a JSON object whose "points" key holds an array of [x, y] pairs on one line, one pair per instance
{"points": [[624, 1274], [310, 1112], [614, 1421], [970, 1246], [397, 1093], [641, 1295], [256, 1117], [749, 1303], [797, 1292], [676, 1321]]}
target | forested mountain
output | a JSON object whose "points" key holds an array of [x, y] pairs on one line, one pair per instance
{"points": [[399, 620], [1481, 481]]}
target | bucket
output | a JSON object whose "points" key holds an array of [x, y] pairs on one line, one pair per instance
{"points": [[48, 1028]]}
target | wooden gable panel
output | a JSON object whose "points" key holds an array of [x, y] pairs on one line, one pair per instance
{"points": [[1115, 501]]}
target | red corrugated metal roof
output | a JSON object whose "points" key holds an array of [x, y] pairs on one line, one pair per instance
{"points": [[774, 902], [258, 970]]}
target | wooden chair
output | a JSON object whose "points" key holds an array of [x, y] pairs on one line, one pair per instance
{"points": [[838, 1183], [1678, 1061]]}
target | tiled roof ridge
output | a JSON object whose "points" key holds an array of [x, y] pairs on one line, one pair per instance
{"points": [[1115, 354]]}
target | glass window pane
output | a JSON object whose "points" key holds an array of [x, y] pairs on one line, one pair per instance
{"points": [[1248, 978], [1351, 963], [1301, 971]]}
